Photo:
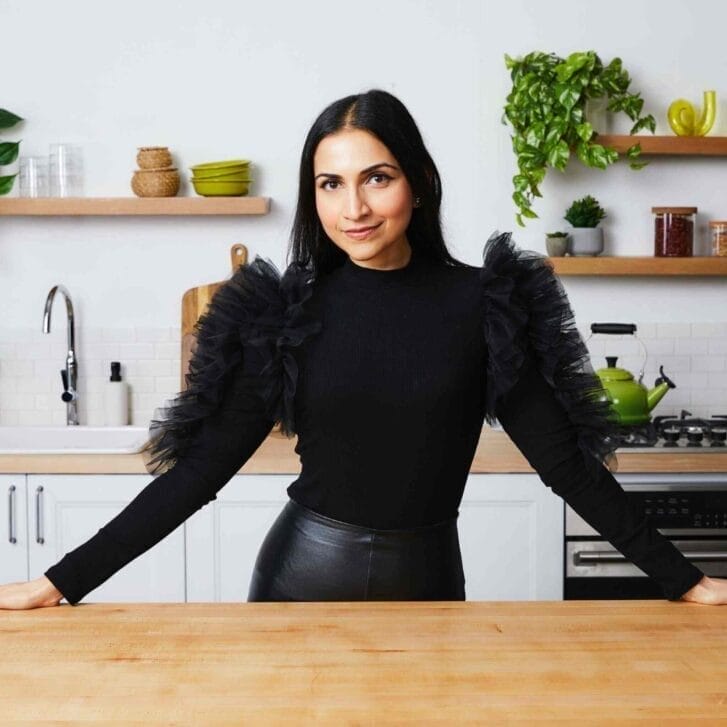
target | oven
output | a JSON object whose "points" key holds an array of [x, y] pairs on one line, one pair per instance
{"points": [[689, 509]]}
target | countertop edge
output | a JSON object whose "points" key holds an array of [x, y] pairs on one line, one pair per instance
{"points": [[495, 453]]}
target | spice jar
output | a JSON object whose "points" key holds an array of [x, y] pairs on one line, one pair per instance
{"points": [[674, 231], [719, 237]]}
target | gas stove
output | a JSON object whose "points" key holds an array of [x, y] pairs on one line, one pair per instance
{"points": [[671, 433]]}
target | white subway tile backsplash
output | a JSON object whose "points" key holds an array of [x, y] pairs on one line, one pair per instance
{"points": [[135, 350], [693, 355], [150, 368], [153, 335], [718, 346], [691, 346], [708, 363], [673, 330], [110, 351], [166, 384], [118, 335], [167, 350], [708, 330], [18, 367]]}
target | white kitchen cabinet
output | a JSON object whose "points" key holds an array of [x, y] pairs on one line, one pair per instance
{"points": [[223, 538], [14, 529], [511, 535], [66, 510]]}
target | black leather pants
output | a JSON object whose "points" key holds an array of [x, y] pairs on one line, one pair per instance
{"points": [[306, 556]]}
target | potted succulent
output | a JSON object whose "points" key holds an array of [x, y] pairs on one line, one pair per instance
{"points": [[586, 238], [546, 109], [8, 153], [556, 243]]}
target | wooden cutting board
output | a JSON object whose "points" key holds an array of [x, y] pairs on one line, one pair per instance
{"points": [[194, 304]]}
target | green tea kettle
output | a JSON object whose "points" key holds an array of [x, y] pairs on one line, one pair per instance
{"points": [[630, 399]]}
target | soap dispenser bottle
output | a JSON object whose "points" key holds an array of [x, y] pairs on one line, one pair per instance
{"points": [[116, 399]]}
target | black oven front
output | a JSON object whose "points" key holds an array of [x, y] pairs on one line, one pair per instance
{"points": [[689, 509]]}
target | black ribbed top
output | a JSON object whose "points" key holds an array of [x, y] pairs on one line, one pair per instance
{"points": [[389, 398]]}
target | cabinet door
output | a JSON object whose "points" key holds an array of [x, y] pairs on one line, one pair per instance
{"points": [[13, 529], [223, 538], [66, 510], [511, 534]]}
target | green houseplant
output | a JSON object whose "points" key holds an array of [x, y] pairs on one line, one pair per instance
{"points": [[586, 238], [8, 150], [546, 110]]}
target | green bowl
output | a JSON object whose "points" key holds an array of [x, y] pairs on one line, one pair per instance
{"points": [[211, 168], [219, 188], [239, 175]]}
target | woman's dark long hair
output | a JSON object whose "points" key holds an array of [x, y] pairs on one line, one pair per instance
{"points": [[383, 115]]}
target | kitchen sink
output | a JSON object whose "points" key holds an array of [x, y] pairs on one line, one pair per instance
{"points": [[72, 439]]}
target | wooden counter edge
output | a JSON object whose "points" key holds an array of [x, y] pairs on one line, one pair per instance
{"points": [[495, 454]]}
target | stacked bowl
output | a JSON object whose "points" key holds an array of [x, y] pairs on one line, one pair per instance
{"points": [[222, 179]]}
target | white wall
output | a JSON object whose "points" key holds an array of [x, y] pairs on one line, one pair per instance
{"points": [[224, 79]]}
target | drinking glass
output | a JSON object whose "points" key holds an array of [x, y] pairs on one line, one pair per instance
{"points": [[66, 170], [33, 176]]}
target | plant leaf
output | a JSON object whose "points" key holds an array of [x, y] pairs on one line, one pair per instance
{"points": [[9, 152], [638, 165], [633, 151], [584, 130], [8, 119], [559, 155], [647, 122], [567, 95], [536, 134], [6, 183]]}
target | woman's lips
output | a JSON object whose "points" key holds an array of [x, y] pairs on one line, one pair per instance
{"points": [[363, 233]]}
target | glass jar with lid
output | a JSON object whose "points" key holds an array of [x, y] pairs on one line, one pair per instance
{"points": [[718, 229], [674, 231]]}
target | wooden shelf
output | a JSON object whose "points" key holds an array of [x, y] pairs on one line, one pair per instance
{"points": [[667, 145], [109, 206], [632, 266]]}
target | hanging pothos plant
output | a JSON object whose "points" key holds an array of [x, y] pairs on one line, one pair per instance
{"points": [[546, 109], [8, 149]]}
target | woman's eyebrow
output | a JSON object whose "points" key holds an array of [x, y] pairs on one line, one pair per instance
{"points": [[363, 171]]}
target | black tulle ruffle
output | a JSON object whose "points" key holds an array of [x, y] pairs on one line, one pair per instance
{"points": [[527, 310], [256, 307]]}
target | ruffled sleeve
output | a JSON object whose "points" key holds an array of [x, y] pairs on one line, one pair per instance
{"points": [[257, 311], [526, 312]]}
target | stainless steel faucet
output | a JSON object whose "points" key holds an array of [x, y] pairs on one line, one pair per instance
{"points": [[69, 375]]}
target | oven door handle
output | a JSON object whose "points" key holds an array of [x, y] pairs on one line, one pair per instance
{"points": [[586, 557]]}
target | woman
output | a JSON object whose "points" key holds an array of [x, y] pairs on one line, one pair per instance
{"points": [[384, 354]]}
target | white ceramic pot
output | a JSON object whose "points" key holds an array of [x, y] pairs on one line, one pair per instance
{"points": [[585, 241]]}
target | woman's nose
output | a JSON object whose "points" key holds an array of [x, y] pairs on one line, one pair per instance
{"points": [[356, 205]]}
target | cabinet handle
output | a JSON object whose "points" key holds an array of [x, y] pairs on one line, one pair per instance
{"points": [[590, 557], [38, 515], [11, 515]]}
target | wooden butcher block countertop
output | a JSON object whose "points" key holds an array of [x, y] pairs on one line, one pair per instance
{"points": [[574, 662], [276, 455]]}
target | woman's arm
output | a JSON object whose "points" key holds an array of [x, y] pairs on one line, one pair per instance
{"points": [[224, 441], [540, 428]]}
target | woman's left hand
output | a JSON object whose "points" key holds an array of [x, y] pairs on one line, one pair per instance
{"points": [[712, 591]]}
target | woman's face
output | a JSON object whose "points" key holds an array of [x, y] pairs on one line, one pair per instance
{"points": [[360, 186]]}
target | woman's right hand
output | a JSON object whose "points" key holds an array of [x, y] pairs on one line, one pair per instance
{"points": [[38, 593]]}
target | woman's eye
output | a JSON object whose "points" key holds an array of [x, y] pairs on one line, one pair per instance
{"points": [[327, 182], [380, 176]]}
